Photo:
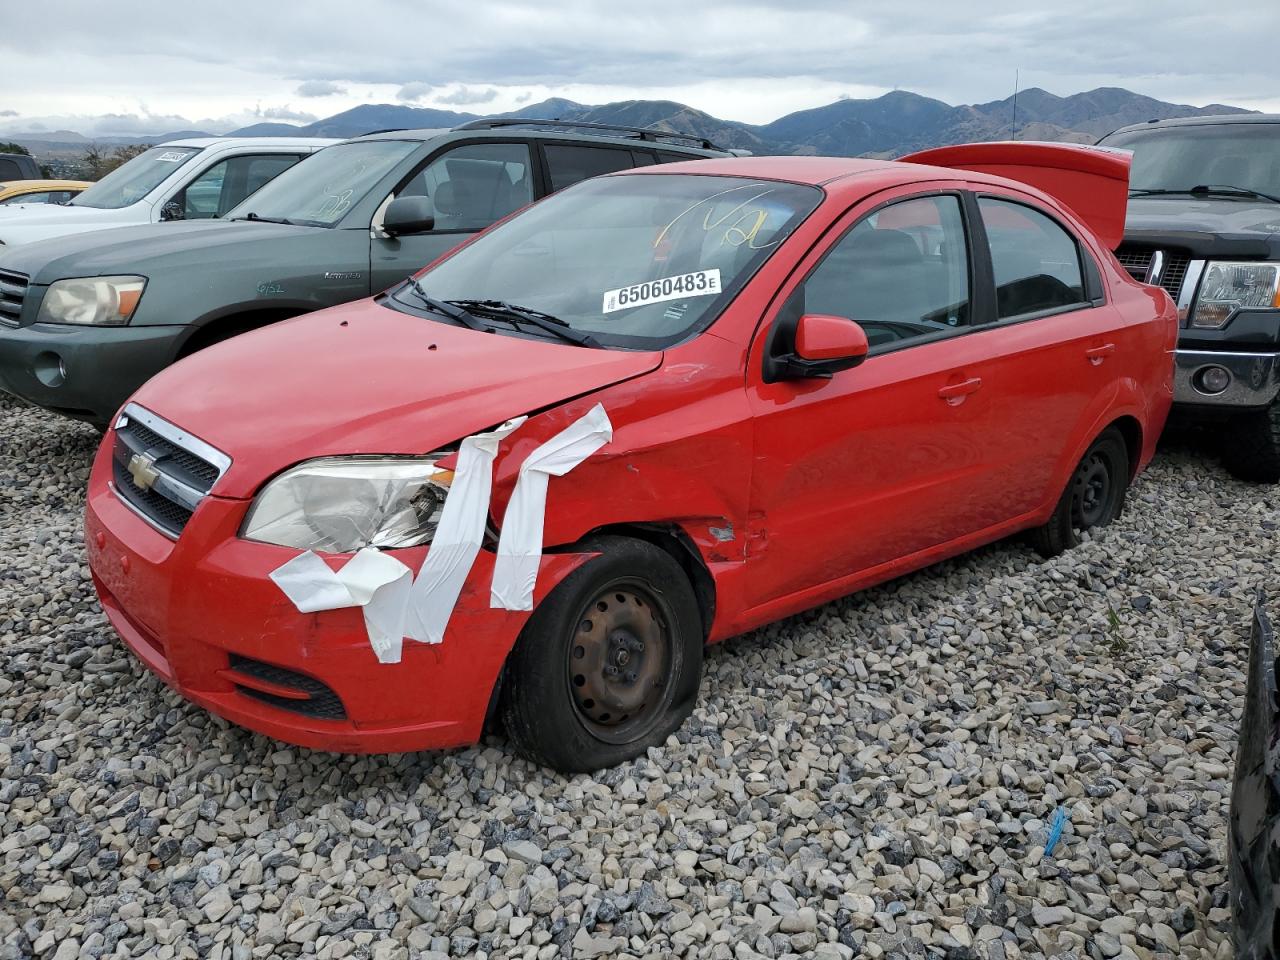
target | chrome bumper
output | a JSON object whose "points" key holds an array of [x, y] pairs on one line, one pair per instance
{"points": [[1255, 378]]}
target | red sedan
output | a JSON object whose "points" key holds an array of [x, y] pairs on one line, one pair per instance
{"points": [[656, 410]]}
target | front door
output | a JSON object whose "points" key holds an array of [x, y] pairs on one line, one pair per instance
{"points": [[470, 186], [889, 458]]}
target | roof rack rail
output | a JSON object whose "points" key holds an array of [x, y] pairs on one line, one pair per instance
{"points": [[639, 133]]}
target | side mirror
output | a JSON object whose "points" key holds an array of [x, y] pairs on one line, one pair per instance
{"points": [[173, 210], [406, 216], [823, 345]]}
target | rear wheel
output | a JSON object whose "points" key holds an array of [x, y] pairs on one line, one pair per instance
{"points": [[1252, 446], [609, 663], [1094, 496]]}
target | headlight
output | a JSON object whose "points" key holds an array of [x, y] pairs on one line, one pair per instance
{"points": [[338, 505], [106, 301], [1228, 287]]}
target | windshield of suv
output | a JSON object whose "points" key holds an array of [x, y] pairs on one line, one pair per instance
{"points": [[1245, 155], [130, 182], [639, 261], [324, 186]]}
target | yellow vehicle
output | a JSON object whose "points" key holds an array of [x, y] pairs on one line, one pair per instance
{"points": [[40, 191]]}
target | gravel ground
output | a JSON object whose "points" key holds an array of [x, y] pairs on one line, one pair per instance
{"points": [[874, 778]]}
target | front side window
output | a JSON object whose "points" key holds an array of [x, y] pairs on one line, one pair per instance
{"points": [[1035, 261], [474, 185], [639, 261], [130, 182], [29, 198], [902, 274], [322, 190], [568, 163], [230, 181]]}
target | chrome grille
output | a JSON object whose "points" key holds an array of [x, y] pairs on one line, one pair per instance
{"points": [[160, 471], [1137, 261], [13, 291]]}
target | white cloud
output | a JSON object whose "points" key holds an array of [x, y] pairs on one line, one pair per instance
{"points": [[319, 88], [466, 96], [414, 91]]}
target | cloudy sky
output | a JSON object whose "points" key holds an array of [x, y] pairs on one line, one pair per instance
{"points": [[134, 66]]}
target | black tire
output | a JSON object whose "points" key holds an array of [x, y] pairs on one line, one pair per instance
{"points": [[1094, 496], [1251, 448], [631, 611]]}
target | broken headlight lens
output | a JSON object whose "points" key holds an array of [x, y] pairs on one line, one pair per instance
{"points": [[1228, 287], [340, 504], [100, 301]]}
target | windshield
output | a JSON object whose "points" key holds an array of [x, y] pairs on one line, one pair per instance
{"points": [[130, 182], [1243, 155], [322, 188], [641, 261]]}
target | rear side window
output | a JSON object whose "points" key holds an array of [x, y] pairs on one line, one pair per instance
{"points": [[569, 164], [1035, 260], [901, 273]]}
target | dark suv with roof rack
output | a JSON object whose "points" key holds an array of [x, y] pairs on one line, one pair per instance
{"points": [[85, 320], [1204, 223]]}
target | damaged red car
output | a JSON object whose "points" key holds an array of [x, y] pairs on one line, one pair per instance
{"points": [[658, 409]]}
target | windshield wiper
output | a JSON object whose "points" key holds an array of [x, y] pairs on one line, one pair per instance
{"points": [[1209, 190], [444, 308], [515, 315], [253, 216]]}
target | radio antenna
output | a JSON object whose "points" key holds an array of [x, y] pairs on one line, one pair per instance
{"points": [[1016, 77]]}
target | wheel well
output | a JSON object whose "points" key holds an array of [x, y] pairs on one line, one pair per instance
{"points": [[1131, 430], [226, 327]]}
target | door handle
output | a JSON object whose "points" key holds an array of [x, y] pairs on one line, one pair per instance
{"points": [[954, 393], [1095, 355]]}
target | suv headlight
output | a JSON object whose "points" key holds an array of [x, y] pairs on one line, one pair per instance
{"points": [[1228, 287], [102, 301], [340, 504]]}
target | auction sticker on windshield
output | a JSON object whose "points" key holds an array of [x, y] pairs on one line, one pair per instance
{"points": [[172, 157], [658, 291]]}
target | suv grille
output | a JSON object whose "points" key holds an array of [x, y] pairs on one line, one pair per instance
{"points": [[13, 290], [1137, 261], [321, 703], [160, 472]]}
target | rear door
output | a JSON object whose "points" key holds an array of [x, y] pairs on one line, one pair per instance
{"points": [[471, 185], [891, 457], [1055, 341]]}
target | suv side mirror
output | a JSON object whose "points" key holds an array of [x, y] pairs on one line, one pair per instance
{"points": [[822, 345], [173, 210], [406, 216]]}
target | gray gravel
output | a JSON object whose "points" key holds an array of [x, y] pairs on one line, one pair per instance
{"points": [[875, 778]]}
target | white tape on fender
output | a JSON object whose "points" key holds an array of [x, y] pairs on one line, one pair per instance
{"points": [[458, 537], [370, 579], [515, 571]]}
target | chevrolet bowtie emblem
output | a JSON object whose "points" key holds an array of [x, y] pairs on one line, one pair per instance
{"points": [[142, 467]]}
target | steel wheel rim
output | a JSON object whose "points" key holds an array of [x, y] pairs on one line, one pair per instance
{"points": [[1092, 491], [620, 662]]}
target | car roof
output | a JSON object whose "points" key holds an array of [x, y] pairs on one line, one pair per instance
{"points": [[814, 171], [38, 185], [537, 133], [1217, 118], [202, 142]]}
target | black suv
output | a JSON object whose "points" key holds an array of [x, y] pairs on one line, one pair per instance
{"points": [[1204, 223]]}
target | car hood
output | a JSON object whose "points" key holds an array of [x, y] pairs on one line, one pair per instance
{"points": [[137, 249], [1207, 226], [362, 378]]}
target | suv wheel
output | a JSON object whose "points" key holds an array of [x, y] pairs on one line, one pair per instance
{"points": [[608, 664], [1252, 446], [1094, 496]]}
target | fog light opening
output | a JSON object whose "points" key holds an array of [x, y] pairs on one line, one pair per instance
{"points": [[50, 369], [1212, 380]]}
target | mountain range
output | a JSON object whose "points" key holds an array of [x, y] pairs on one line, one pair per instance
{"points": [[884, 126]]}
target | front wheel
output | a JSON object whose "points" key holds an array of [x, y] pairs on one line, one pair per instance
{"points": [[608, 664], [1251, 450], [1094, 496]]}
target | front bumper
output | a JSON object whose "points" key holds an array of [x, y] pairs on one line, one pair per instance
{"points": [[83, 372], [1254, 379], [201, 613]]}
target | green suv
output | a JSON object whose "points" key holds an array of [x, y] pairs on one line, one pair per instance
{"points": [[85, 320]]}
